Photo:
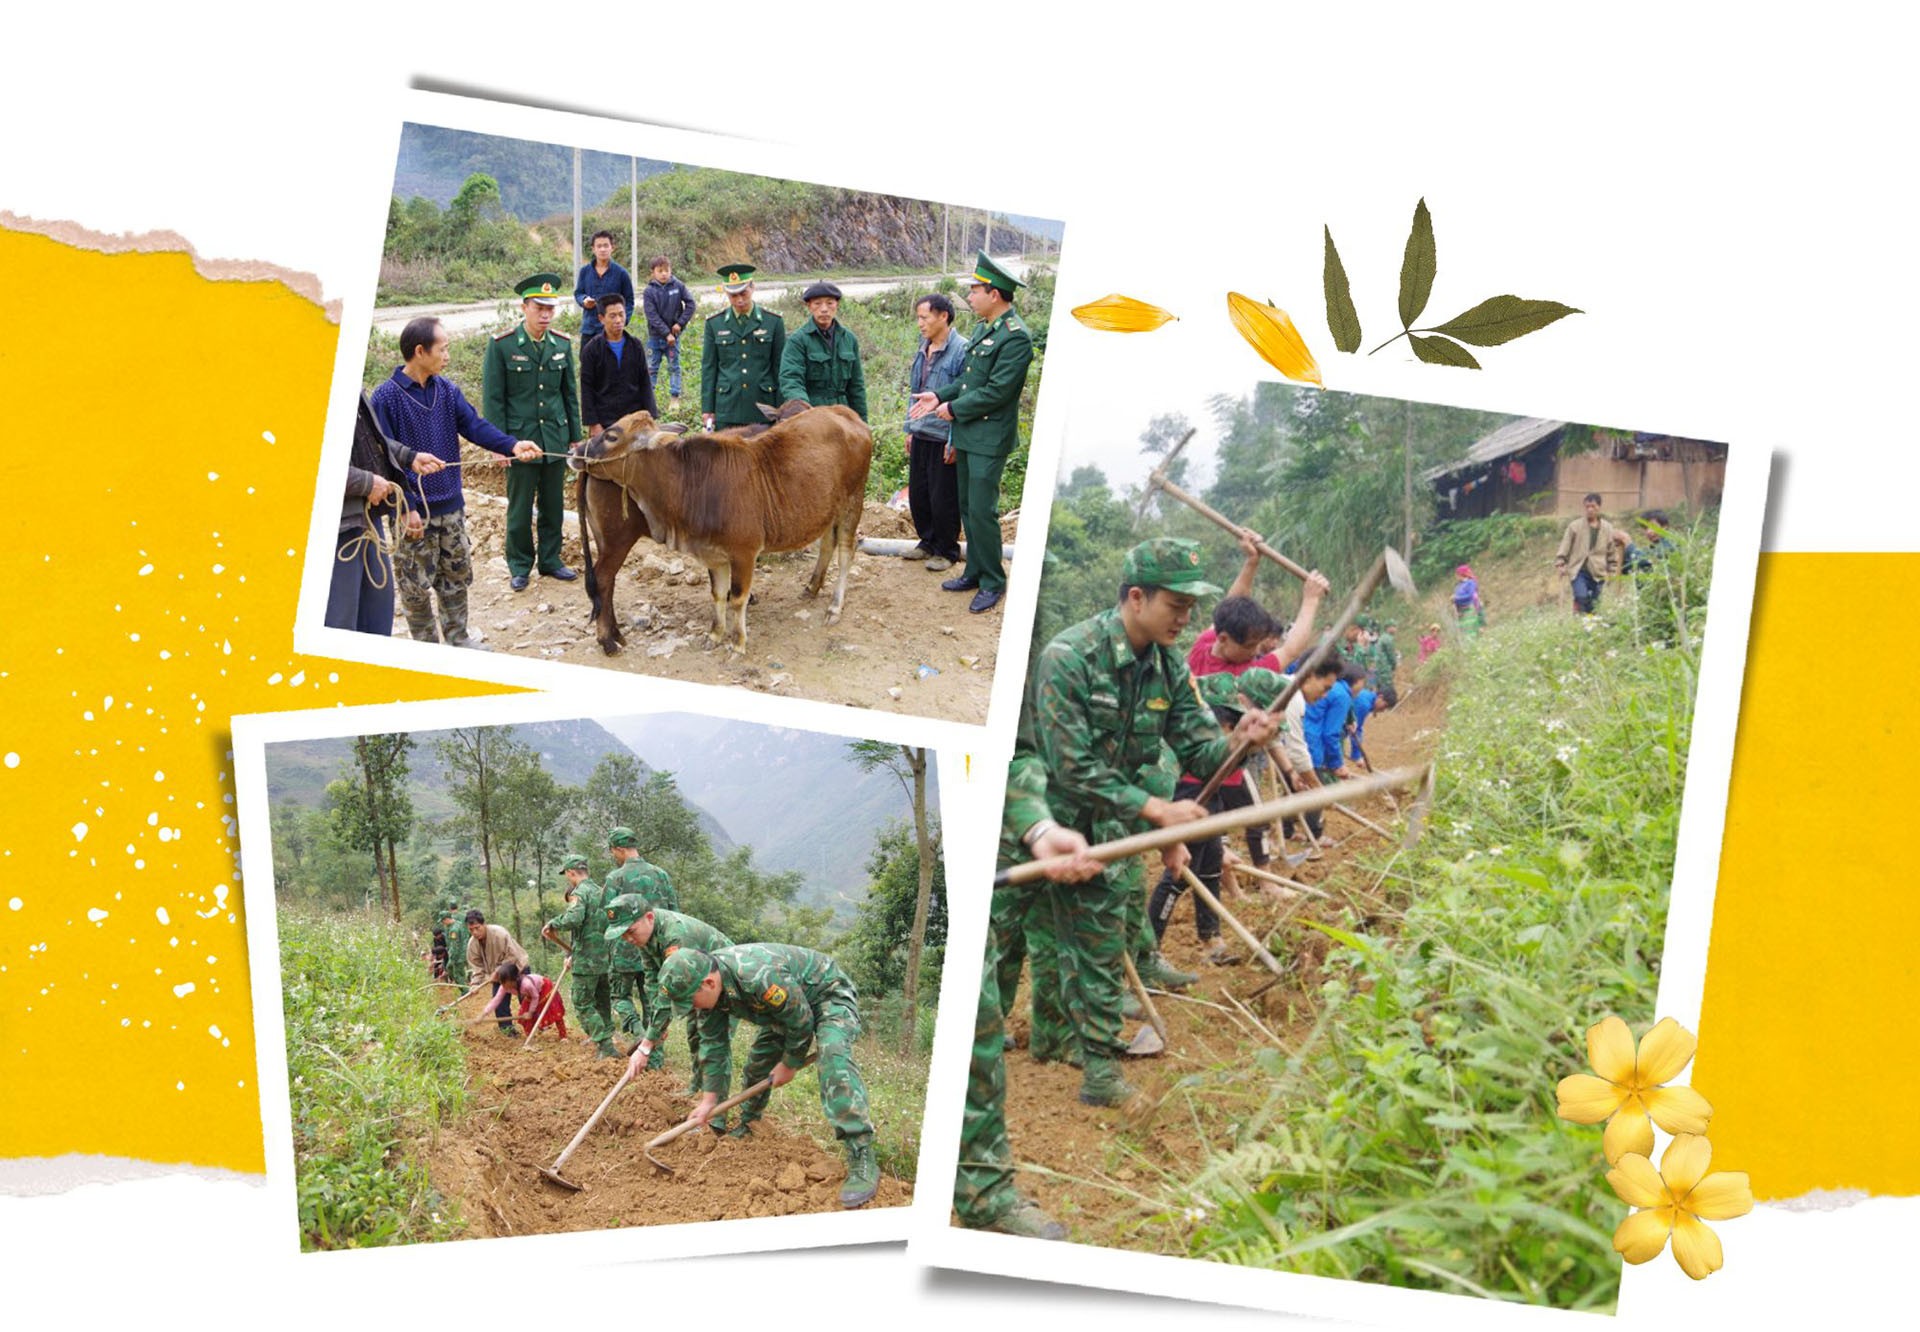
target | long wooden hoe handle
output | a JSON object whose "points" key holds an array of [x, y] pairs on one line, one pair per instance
{"points": [[587, 1127], [765, 1084], [1146, 1001], [1246, 935], [1220, 520], [1213, 825]]}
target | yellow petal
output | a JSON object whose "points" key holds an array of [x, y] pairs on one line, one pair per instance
{"points": [[1586, 1099], [1684, 1162], [1610, 1050], [1721, 1196], [1273, 335], [1695, 1247], [1664, 1051], [1642, 1235], [1678, 1109], [1627, 1132], [1122, 314], [1637, 1182]]}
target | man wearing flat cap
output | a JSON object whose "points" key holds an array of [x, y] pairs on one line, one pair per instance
{"points": [[821, 364], [984, 406], [740, 360], [1106, 694], [530, 389]]}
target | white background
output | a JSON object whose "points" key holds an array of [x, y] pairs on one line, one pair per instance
{"points": [[1727, 194]]}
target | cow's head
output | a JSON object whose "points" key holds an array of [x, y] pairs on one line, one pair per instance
{"points": [[629, 434]]}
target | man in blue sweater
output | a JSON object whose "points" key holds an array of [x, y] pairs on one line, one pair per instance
{"points": [[429, 414], [1325, 725], [600, 278]]}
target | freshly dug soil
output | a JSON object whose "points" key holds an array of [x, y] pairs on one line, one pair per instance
{"points": [[527, 1106]]}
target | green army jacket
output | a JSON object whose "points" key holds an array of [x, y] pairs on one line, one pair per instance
{"points": [[985, 400], [531, 389], [777, 986], [1098, 713], [645, 879], [740, 365], [823, 369], [671, 931], [586, 918]]}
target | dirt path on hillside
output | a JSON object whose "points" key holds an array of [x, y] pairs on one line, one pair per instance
{"points": [[902, 644], [1098, 1171], [526, 1107]]}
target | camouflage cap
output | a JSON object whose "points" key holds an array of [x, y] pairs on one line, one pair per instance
{"points": [[1259, 686], [681, 974], [623, 911], [1169, 562], [573, 863], [623, 836]]}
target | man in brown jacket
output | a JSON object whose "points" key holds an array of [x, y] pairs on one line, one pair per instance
{"points": [[487, 947], [1590, 550]]}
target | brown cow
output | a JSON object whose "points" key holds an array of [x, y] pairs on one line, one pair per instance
{"points": [[722, 498]]}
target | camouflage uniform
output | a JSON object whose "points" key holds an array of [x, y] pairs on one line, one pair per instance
{"points": [[983, 1189], [795, 996], [671, 932], [592, 957], [1021, 928], [1099, 713], [631, 974], [441, 562]]}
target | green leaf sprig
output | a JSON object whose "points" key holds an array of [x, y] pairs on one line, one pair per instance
{"points": [[1488, 324]]}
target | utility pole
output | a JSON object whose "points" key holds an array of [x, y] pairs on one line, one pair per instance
{"points": [[633, 213], [986, 245], [576, 210], [1406, 469], [946, 230]]}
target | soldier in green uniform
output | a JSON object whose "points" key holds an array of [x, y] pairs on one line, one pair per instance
{"points": [[1106, 694], [740, 356], [631, 974], [585, 918], [653, 934], [821, 364], [529, 388], [984, 406], [983, 1192], [795, 996]]}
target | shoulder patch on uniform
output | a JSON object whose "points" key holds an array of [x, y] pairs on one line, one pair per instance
{"points": [[1158, 705], [773, 996], [672, 949], [562, 334], [503, 333]]}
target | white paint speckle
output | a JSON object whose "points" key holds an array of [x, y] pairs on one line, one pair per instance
{"points": [[13, 760], [145, 569], [179, 1086], [213, 476], [14, 904], [219, 568], [159, 776], [160, 913], [79, 832], [96, 915], [268, 436], [275, 678], [183, 989], [299, 679]]}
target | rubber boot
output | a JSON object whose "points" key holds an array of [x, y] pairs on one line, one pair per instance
{"points": [[743, 1130], [1155, 971], [608, 1050], [1028, 1221], [863, 1176], [1104, 1084]]}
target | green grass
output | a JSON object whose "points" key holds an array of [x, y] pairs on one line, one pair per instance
{"points": [[370, 1071], [1411, 1137]]}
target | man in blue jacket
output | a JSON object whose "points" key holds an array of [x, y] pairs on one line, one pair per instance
{"points": [[670, 309], [600, 278], [933, 492], [1325, 724]]}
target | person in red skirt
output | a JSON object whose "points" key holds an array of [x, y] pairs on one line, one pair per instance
{"points": [[532, 989]]}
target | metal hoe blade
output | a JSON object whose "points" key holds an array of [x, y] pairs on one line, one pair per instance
{"points": [[1399, 575]]}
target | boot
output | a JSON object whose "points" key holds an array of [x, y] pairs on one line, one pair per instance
{"points": [[863, 1176], [1219, 955], [607, 1049], [743, 1130], [1067, 1053], [1104, 1085], [1155, 971], [1027, 1220]]}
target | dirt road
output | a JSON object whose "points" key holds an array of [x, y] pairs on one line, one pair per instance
{"points": [[1099, 1171], [527, 1106], [902, 645]]}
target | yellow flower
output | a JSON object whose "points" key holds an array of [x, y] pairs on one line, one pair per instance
{"points": [[1122, 314], [1273, 335], [1628, 1088], [1677, 1198]]}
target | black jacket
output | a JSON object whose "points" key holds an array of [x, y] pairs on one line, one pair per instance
{"points": [[610, 389], [374, 454]]}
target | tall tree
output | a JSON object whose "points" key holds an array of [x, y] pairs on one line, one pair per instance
{"points": [[475, 757], [372, 809], [908, 764], [530, 818]]}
